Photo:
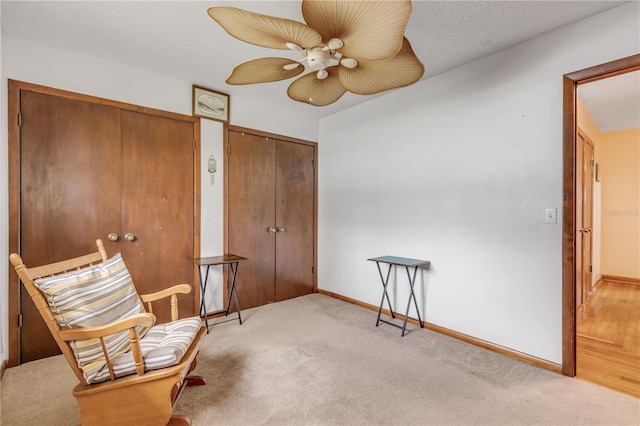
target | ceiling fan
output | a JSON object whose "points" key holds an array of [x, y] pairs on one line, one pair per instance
{"points": [[355, 46]]}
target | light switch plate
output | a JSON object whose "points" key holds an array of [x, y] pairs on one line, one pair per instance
{"points": [[551, 215]]}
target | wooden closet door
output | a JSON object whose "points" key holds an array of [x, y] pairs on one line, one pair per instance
{"points": [[294, 220], [251, 211], [158, 206], [70, 191], [270, 185], [87, 170]]}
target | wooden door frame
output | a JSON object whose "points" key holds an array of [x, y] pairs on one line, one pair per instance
{"points": [[314, 145], [13, 94], [569, 132]]}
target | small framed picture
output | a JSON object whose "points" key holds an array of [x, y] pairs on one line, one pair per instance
{"points": [[597, 172], [210, 104]]}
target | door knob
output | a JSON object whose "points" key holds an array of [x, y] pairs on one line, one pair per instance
{"points": [[279, 229], [113, 236], [271, 229], [129, 236]]}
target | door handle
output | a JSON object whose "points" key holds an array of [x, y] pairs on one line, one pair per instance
{"points": [[585, 230], [113, 236], [279, 229], [129, 236], [271, 229]]}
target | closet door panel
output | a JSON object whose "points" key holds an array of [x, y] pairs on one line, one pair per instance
{"points": [[70, 191], [157, 206], [294, 220], [251, 211]]}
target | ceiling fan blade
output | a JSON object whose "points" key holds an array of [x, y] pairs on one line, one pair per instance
{"points": [[264, 70], [370, 30], [263, 30], [310, 90], [371, 77]]}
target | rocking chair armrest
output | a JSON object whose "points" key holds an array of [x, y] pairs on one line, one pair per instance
{"points": [[144, 320], [176, 289], [169, 292]]}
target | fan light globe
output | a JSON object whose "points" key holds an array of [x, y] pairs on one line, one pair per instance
{"points": [[322, 74], [349, 62], [294, 47], [290, 67], [335, 44]]}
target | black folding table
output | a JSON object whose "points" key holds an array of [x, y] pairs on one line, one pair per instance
{"points": [[407, 263], [227, 259]]}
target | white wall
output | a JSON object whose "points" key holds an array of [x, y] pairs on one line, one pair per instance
{"points": [[457, 169], [42, 64]]}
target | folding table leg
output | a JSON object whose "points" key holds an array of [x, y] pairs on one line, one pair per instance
{"points": [[384, 293], [411, 295], [203, 304], [412, 283], [234, 290]]}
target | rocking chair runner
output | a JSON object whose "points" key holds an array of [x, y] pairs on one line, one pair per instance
{"points": [[129, 371]]}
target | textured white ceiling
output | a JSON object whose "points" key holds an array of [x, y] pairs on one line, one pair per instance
{"points": [[613, 103], [177, 38]]}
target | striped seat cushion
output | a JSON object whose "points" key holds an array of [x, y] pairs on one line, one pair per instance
{"points": [[164, 345], [93, 296]]}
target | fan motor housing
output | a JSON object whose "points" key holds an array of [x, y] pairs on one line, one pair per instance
{"points": [[318, 59]]}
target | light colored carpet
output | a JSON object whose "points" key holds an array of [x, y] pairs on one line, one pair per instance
{"points": [[318, 360]]}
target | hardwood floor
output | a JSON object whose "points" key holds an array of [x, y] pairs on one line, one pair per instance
{"points": [[608, 337]]}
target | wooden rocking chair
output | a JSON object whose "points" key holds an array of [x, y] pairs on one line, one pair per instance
{"points": [[129, 371]]}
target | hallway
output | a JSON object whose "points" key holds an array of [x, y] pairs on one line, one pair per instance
{"points": [[608, 337]]}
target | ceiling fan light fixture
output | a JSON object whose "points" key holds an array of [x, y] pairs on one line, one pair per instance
{"points": [[352, 46], [294, 47], [335, 44], [349, 62], [290, 67], [318, 59]]}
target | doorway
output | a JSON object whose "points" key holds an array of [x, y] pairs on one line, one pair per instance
{"points": [[572, 249], [607, 321]]}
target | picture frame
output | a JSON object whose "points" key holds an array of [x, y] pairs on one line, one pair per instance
{"points": [[597, 173], [210, 104]]}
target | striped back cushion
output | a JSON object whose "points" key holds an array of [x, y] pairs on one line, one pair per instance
{"points": [[93, 296]]}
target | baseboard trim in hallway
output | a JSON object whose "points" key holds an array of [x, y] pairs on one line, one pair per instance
{"points": [[619, 279]]}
